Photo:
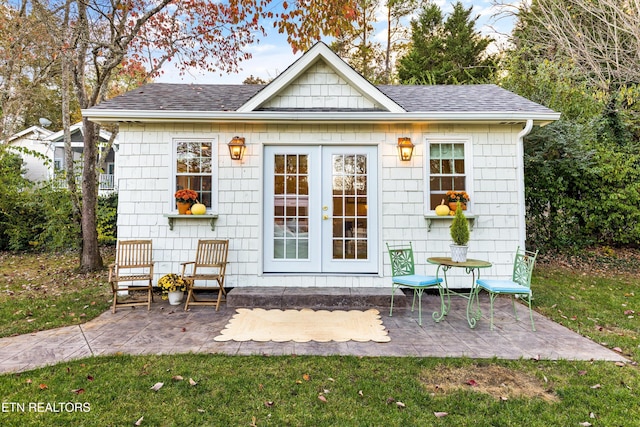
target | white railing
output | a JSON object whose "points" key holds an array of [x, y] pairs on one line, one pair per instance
{"points": [[106, 182]]}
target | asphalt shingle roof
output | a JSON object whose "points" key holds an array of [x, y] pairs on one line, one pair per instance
{"points": [[197, 97]]}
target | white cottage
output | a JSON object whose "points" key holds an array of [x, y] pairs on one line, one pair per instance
{"points": [[320, 186]]}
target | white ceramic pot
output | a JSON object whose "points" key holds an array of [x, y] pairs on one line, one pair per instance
{"points": [[459, 253], [175, 297]]}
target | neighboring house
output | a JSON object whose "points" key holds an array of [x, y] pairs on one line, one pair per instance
{"points": [[107, 180], [321, 187], [51, 146], [34, 138]]}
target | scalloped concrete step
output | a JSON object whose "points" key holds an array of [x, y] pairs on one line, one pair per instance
{"points": [[315, 298]]}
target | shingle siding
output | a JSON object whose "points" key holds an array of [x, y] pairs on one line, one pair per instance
{"points": [[145, 196]]}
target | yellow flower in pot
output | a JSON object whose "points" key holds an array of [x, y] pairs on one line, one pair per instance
{"points": [[172, 285]]}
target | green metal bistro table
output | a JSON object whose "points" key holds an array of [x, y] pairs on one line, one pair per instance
{"points": [[471, 266]]}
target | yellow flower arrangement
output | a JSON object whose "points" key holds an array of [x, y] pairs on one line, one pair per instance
{"points": [[171, 283]]}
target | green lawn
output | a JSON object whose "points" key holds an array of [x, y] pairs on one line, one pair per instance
{"points": [[322, 391]]}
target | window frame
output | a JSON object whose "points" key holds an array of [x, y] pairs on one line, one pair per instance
{"points": [[468, 165], [215, 188]]}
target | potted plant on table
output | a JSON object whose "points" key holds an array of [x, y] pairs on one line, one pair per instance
{"points": [[184, 199], [460, 236], [173, 287], [455, 197]]}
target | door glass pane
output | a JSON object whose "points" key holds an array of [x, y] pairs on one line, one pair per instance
{"points": [[291, 212], [350, 207]]}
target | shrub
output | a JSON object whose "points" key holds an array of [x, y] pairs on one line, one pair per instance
{"points": [[107, 214]]}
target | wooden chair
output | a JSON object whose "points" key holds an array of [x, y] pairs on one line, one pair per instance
{"points": [[210, 264], [519, 285], [403, 275], [134, 263]]}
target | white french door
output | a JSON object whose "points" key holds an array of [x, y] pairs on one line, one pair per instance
{"points": [[320, 207]]}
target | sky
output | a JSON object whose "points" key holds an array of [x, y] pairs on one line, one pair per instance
{"points": [[272, 54]]}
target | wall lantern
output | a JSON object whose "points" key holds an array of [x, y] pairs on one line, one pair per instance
{"points": [[236, 148], [405, 149]]}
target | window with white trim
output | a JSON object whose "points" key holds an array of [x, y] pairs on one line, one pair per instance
{"points": [[195, 161], [448, 168]]}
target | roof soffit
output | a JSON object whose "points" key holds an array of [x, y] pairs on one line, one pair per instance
{"points": [[318, 52]]}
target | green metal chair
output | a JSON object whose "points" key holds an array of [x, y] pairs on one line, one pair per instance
{"points": [[519, 285], [403, 275]]}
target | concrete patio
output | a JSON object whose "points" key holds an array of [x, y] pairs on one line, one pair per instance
{"points": [[167, 329]]}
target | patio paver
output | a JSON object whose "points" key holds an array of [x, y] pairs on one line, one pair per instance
{"points": [[137, 331]]}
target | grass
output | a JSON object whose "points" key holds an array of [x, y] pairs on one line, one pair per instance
{"points": [[323, 391], [287, 391], [45, 291]]}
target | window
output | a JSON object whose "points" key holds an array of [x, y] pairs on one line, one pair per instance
{"points": [[448, 169], [194, 169]]}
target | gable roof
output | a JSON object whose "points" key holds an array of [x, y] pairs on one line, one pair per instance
{"points": [[161, 102], [37, 130], [320, 52], [58, 137]]}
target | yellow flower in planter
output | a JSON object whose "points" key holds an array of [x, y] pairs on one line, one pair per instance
{"points": [[170, 283]]}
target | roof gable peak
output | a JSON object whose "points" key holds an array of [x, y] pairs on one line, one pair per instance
{"points": [[349, 88]]}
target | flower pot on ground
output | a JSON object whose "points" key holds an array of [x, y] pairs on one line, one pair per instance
{"points": [[459, 235], [175, 297], [172, 283]]}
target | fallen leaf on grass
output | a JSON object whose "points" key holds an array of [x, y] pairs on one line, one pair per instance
{"points": [[43, 387], [177, 378], [268, 403], [618, 349], [139, 422], [400, 405], [90, 377], [306, 377], [586, 424], [78, 391], [620, 364], [360, 393], [472, 383], [596, 386], [157, 386], [192, 382], [440, 414], [322, 398]]}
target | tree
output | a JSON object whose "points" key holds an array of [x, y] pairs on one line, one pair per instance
{"points": [[397, 34], [355, 44], [95, 38], [26, 64], [602, 37], [446, 52], [581, 173]]}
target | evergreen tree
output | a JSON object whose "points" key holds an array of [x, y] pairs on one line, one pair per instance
{"points": [[446, 52]]}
